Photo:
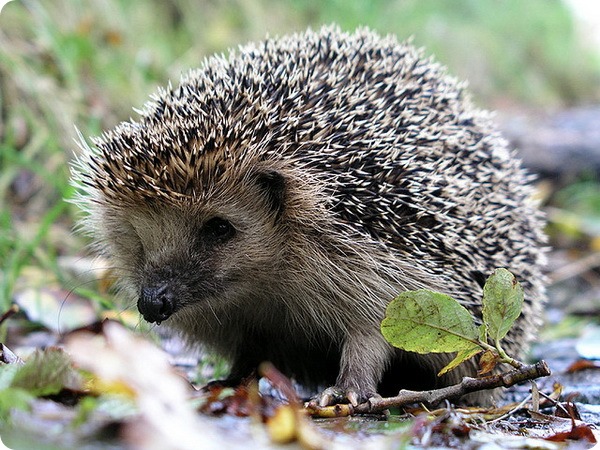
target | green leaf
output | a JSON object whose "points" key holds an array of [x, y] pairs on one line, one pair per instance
{"points": [[502, 303], [11, 399], [7, 374], [483, 333], [428, 322], [47, 372], [461, 356]]}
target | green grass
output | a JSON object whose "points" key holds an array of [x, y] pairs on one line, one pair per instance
{"points": [[67, 63], [523, 51]]}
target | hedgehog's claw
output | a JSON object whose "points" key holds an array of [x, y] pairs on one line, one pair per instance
{"points": [[335, 395], [330, 396]]}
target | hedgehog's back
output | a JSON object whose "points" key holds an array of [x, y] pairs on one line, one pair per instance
{"points": [[403, 156]]}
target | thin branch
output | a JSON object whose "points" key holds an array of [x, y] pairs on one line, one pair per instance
{"points": [[14, 308], [575, 268], [433, 397]]}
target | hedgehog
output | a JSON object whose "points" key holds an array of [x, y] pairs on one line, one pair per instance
{"points": [[271, 205]]}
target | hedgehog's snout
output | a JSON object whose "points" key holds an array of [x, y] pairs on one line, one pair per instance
{"points": [[156, 303]]}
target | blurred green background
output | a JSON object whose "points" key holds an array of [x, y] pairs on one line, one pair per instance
{"points": [[85, 64]]}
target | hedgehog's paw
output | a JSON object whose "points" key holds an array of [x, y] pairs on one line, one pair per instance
{"points": [[335, 395]]}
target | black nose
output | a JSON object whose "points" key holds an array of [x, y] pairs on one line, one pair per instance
{"points": [[156, 303]]}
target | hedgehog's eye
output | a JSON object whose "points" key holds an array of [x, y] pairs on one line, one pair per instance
{"points": [[218, 229]]}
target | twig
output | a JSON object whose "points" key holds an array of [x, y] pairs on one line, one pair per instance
{"points": [[512, 411], [433, 397], [576, 268], [279, 381], [14, 308]]}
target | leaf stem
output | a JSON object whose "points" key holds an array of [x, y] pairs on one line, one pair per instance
{"points": [[507, 359]]}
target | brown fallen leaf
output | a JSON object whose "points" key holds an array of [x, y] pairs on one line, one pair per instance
{"points": [[571, 429], [577, 433], [582, 364], [236, 401], [567, 410]]}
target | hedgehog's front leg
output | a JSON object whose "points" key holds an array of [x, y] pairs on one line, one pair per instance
{"points": [[363, 362]]}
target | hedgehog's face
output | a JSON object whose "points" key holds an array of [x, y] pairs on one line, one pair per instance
{"points": [[186, 262], [203, 254]]}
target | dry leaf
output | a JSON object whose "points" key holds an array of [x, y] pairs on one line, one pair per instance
{"points": [[166, 419], [487, 362]]}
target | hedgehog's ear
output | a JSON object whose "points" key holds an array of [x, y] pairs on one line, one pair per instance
{"points": [[272, 184]]}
